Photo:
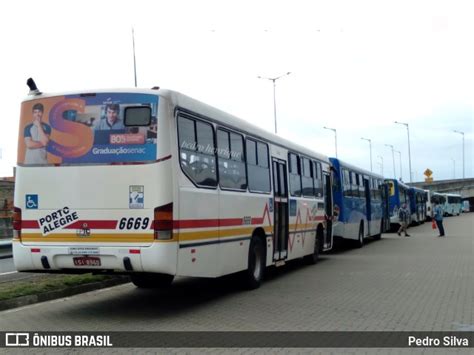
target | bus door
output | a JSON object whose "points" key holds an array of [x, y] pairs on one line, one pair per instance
{"points": [[368, 207], [329, 211], [280, 210]]}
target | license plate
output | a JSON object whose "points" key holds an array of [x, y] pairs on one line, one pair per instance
{"points": [[86, 261]]}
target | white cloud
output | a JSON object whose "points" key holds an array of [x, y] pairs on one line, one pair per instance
{"points": [[356, 66]]}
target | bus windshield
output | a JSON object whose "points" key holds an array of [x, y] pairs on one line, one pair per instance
{"points": [[88, 129]]}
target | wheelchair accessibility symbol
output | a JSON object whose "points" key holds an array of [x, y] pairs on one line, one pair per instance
{"points": [[31, 202]]}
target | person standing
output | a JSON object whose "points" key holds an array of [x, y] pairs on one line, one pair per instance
{"points": [[36, 136], [403, 214], [438, 217]]}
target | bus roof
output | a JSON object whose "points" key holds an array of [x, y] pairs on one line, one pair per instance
{"points": [[355, 168], [399, 182], [236, 123], [414, 188]]}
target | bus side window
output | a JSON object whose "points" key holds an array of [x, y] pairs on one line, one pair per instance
{"points": [[354, 184], [197, 157], [318, 179], [372, 188], [257, 166], [295, 174], [347, 183], [362, 185], [380, 189], [307, 177], [230, 153]]}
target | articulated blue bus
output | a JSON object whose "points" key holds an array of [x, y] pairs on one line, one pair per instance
{"points": [[359, 197], [398, 194], [418, 198]]}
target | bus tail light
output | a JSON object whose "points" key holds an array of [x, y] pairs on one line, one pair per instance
{"points": [[17, 223], [163, 222]]}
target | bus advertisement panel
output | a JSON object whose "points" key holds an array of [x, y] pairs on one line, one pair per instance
{"points": [[87, 129]]}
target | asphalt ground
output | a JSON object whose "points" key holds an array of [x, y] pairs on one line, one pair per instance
{"points": [[420, 283]]}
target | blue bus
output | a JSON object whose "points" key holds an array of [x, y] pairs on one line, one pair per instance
{"points": [[358, 202], [398, 194], [418, 198]]}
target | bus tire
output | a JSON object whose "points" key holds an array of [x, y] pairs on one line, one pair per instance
{"points": [[313, 258], [253, 276], [360, 240], [379, 236], [150, 280]]}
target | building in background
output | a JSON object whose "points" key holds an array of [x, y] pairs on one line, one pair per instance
{"points": [[6, 207]]}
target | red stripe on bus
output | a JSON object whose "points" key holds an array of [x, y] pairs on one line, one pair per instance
{"points": [[76, 225], [178, 224], [140, 162], [93, 224], [163, 159], [29, 224], [209, 223], [206, 223]]}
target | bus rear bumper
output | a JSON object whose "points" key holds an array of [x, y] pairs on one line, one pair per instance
{"points": [[158, 257]]}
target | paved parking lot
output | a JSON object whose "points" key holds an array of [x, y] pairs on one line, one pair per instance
{"points": [[422, 283]]}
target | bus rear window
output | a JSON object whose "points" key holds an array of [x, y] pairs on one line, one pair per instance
{"points": [[137, 116], [92, 129]]}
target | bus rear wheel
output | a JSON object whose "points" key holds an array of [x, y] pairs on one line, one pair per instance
{"points": [[150, 280], [360, 240], [313, 258], [253, 276], [379, 236]]}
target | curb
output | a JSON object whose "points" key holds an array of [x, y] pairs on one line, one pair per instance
{"points": [[65, 292]]}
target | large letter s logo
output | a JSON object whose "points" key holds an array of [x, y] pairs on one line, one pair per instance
{"points": [[81, 136]]}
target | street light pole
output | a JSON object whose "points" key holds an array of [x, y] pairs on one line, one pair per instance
{"points": [[463, 175], [454, 168], [274, 95], [335, 136], [134, 60], [393, 160], [409, 152], [381, 165], [400, 156], [370, 147]]}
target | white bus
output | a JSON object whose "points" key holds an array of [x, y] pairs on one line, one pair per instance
{"points": [[440, 199], [453, 204], [154, 184]]}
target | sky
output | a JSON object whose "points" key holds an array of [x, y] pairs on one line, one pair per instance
{"points": [[356, 66]]}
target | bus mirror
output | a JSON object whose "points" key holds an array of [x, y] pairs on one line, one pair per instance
{"points": [[33, 88]]}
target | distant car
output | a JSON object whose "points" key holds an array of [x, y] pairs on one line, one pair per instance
{"points": [[465, 206]]}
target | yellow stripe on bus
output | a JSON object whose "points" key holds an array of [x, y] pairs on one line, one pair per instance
{"points": [[106, 238], [143, 237]]}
